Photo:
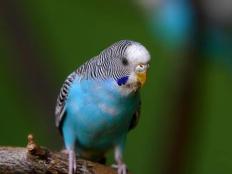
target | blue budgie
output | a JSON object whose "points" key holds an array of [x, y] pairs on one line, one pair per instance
{"points": [[100, 103]]}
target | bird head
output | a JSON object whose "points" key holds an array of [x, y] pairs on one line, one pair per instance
{"points": [[125, 61], [132, 61]]}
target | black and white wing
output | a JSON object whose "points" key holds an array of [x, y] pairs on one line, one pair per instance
{"points": [[61, 100], [135, 118]]}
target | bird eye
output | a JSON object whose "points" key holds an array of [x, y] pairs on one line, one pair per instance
{"points": [[124, 61]]}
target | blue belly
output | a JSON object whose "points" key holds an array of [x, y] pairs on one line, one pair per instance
{"points": [[97, 115]]}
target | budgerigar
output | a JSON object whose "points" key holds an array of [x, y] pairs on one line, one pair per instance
{"points": [[100, 103]]}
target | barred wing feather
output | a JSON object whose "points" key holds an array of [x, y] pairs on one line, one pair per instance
{"points": [[61, 100]]}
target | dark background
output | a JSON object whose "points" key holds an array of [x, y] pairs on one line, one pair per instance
{"points": [[185, 125]]}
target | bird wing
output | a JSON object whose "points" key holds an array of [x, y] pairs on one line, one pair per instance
{"points": [[135, 118], [60, 111]]}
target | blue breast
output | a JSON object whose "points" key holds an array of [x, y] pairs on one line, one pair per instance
{"points": [[98, 114]]}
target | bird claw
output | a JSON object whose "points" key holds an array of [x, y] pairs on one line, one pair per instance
{"points": [[122, 168]]}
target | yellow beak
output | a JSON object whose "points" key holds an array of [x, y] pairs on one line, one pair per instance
{"points": [[142, 78]]}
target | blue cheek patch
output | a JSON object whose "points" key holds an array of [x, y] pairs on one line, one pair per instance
{"points": [[122, 80]]}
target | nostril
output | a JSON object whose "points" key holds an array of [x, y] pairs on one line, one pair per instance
{"points": [[141, 68]]}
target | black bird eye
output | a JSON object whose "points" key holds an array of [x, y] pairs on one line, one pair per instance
{"points": [[124, 61]]}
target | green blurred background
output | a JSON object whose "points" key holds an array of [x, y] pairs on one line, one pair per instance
{"points": [[185, 125]]}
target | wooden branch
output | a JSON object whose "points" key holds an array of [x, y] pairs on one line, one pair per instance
{"points": [[37, 160]]}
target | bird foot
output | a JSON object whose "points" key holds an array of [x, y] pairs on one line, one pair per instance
{"points": [[122, 168], [72, 161]]}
